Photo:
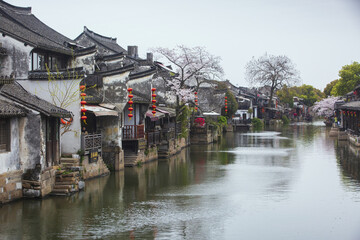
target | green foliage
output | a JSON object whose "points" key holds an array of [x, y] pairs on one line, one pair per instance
{"points": [[257, 124], [231, 104], [222, 120], [308, 93], [285, 119], [329, 87], [184, 117], [349, 79], [146, 152]]}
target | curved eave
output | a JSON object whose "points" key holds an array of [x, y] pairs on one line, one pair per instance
{"points": [[151, 71], [117, 71]]}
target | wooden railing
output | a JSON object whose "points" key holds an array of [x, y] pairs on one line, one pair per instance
{"points": [[133, 132], [90, 142]]}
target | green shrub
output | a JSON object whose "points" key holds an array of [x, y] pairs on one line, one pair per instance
{"points": [[222, 120], [285, 119], [257, 124]]}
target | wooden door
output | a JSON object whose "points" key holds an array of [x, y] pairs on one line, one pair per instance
{"points": [[52, 142]]}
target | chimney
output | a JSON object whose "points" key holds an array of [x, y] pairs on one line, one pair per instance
{"points": [[149, 57], [133, 51]]}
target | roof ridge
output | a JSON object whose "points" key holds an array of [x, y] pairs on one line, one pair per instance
{"points": [[21, 10], [24, 26], [92, 33]]}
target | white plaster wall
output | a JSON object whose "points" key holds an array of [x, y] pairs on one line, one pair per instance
{"points": [[10, 161], [135, 112], [114, 61], [70, 141], [87, 62], [18, 59], [147, 78], [116, 78]]}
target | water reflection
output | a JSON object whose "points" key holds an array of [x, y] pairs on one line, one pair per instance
{"points": [[348, 157], [281, 181]]}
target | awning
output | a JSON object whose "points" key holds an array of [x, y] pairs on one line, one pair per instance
{"points": [[100, 111], [157, 116], [166, 110], [212, 113]]}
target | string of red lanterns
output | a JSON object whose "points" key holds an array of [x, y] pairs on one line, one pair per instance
{"points": [[83, 102], [196, 102], [130, 115], [226, 105], [153, 101], [349, 113]]}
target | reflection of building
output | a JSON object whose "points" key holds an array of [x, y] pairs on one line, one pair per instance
{"points": [[349, 159]]}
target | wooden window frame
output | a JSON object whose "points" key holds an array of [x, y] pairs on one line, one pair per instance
{"points": [[5, 135]]}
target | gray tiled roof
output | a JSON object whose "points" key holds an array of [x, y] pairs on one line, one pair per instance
{"points": [[107, 42], [18, 94], [10, 110], [354, 105], [21, 24]]}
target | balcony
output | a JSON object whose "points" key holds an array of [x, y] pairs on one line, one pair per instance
{"points": [[133, 132], [91, 142]]}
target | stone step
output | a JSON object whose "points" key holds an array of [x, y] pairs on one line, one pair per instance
{"points": [[66, 183], [60, 190], [69, 160], [62, 186]]}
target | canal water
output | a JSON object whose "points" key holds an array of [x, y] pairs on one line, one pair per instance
{"points": [[292, 183]]}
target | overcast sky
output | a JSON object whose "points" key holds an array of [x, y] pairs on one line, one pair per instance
{"points": [[319, 36]]}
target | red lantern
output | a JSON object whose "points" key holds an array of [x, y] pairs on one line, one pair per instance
{"points": [[83, 102], [153, 95], [83, 117], [83, 110], [225, 97], [83, 94], [196, 101], [82, 87], [130, 115]]}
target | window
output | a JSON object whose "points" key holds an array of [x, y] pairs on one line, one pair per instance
{"points": [[5, 135], [53, 61]]}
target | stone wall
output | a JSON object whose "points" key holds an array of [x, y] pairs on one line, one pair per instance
{"points": [[201, 138], [10, 186], [113, 158], [38, 184], [95, 169], [151, 154]]}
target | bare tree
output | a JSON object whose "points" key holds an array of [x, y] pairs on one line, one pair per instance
{"points": [[273, 71], [192, 65]]}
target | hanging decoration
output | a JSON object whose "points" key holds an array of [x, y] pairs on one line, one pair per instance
{"points": [[130, 102], [196, 102], [83, 102], [153, 101], [226, 105]]}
